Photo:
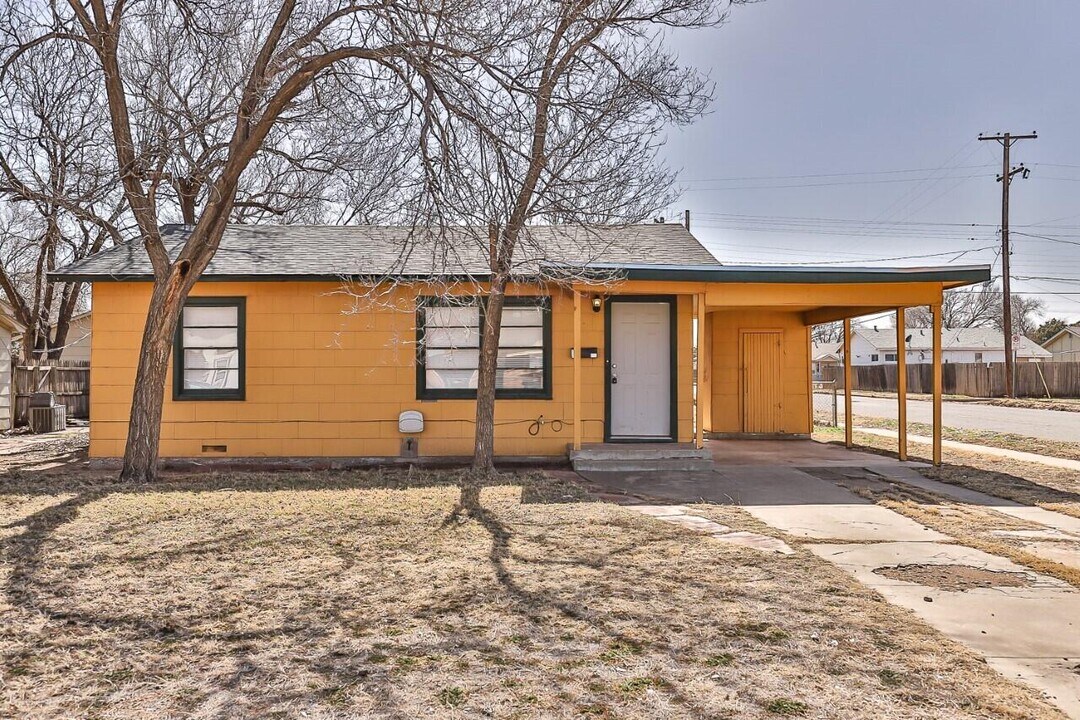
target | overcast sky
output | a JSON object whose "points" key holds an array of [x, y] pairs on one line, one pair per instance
{"points": [[880, 103]]}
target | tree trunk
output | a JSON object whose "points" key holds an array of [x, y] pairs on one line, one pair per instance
{"points": [[59, 338], [144, 426], [484, 448]]}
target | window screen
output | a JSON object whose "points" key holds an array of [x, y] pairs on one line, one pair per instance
{"points": [[449, 349], [210, 349]]}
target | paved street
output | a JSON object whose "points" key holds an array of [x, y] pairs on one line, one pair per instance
{"points": [[1043, 424]]}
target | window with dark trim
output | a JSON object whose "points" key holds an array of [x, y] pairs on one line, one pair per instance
{"points": [[890, 357], [448, 348], [208, 361]]}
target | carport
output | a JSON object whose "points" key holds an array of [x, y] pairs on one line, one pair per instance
{"points": [[751, 337], [752, 310]]}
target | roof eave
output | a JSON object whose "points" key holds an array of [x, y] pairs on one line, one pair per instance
{"points": [[275, 277], [1069, 329], [949, 277]]}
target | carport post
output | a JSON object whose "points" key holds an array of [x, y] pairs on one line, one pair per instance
{"points": [[847, 383], [935, 310], [577, 370], [901, 384], [699, 343]]}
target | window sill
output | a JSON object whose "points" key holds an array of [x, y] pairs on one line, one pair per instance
{"points": [[470, 395], [216, 397]]}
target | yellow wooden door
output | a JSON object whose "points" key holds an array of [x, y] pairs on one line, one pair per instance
{"points": [[762, 391]]}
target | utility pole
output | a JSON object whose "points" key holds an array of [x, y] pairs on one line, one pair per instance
{"points": [[1007, 140]]}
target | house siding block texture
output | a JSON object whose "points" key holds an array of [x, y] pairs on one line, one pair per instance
{"points": [[325, 381], [729, 374]]}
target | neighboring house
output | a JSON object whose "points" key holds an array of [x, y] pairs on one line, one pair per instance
{"points": [[825, 355], [274, 359], [8, 328], [1065, 345], [871, 346], [77, 345]]}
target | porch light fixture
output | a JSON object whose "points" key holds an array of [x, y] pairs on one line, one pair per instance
{"points": [[597, 303]]}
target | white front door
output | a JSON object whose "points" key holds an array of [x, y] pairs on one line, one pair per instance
{"points": [[639, 370]]}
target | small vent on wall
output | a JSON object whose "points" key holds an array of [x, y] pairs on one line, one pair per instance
{"points": [[215, 448]]}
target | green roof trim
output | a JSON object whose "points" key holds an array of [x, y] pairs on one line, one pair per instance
{"points": [[960, 275], [818, 275]]}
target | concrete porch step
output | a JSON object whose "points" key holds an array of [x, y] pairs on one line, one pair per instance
{"points": [[640, 457]]}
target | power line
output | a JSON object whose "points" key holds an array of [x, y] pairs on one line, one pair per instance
{"points": [[790, 230], [1062, 295], [957, 253], [1007, 171], [830, 184], [1049, 238], [856, 221], [914, 193], [830, 175], [1051, 278]]}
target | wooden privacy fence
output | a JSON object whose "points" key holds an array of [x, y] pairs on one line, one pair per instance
{"points": [[1053, 379], [68, 380]]}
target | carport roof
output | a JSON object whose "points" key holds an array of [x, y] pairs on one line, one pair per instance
{"points": [[951, 276]]}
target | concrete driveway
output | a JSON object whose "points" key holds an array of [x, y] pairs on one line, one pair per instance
{"points": [[1043, 424], [1028, 628]]}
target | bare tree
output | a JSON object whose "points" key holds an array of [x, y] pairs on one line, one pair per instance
{"points": [[561, 123], [831, 332], [1026, 310], [980, 306], [59, 200], [256, 74]]}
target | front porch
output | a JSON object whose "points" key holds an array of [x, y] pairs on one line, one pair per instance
{"points": [[748, 332]]}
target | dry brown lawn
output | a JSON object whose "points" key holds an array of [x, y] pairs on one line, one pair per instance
{"points": [[1053, 488], [989, 438], [356, 595]]}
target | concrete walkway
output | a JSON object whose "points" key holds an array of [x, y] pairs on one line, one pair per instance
{"points": [[1029, 632], [680, 515]]}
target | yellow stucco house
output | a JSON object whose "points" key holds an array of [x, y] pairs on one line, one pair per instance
{"points": [[361, 342]]}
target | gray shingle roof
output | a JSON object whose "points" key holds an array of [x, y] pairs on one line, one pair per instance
{"points": [[953, 339], [284, 251], [822, 351]]}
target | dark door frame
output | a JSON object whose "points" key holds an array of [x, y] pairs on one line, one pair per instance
{"points": [[673, 369]]}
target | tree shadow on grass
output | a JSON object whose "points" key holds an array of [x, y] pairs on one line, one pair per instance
{"points": [[538, 486], [40, 590], [535, 602]]}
